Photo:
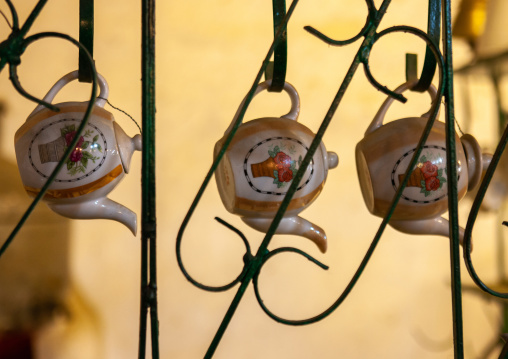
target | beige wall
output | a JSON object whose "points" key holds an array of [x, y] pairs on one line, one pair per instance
{"points": [[208, 53]]}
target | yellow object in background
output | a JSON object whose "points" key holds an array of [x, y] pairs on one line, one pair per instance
{"points": [[470, 21]]}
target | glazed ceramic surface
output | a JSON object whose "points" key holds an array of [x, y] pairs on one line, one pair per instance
{"points": [[99, 161], [259, 166], [383, 157]]}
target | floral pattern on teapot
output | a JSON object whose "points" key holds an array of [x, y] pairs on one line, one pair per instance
{"points": [[88, 156], [427, 180], [270, 165]]}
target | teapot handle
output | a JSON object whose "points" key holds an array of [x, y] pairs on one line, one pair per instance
{"points": [[99, 101], [380, 115], [291, 91]]}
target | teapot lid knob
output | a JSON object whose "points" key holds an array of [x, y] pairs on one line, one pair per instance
{"points": [[333, 159]]}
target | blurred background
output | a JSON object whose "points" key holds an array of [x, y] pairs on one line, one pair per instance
{"points": [[70, 289]]}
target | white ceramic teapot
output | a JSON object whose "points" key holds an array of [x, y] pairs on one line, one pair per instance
{"points": [[383, 156], [97, 164], [259, 165]]}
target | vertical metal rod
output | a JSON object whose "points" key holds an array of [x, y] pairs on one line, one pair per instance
{"points": [[501, 123], [231, 310], [148, 221], [451, 158]]}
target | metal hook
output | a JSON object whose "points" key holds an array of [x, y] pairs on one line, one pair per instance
{"points": [[86, 36], [429, 65], [276, 69], [434, 50]]}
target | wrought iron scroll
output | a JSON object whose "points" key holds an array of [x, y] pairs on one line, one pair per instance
{"points": [[475, 209], [10, 53], [253, 264], [492, 64]]}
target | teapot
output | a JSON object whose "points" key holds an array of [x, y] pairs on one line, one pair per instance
{"points": [[383, 157], [259, 165], [97, 164]]}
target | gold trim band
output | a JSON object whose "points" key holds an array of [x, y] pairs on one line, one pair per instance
{"points": [[78, 191]]}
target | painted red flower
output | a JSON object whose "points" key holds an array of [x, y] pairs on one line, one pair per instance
{"points": [[432, 184], [282, 160], [429, 170], [285, 175], [70, 136], [76, 155]]}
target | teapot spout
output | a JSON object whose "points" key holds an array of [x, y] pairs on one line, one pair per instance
{"points": [[102, 208], [292, 225], [434, 226]]}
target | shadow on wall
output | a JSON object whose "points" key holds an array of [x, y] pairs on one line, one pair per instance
{"points": [[38, 306]]}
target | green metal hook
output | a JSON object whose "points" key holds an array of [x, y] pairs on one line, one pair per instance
{"points": [[429, 65], [86, 36], [276, 70]]}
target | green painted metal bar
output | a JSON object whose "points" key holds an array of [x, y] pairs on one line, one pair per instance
{"points": [[434, 32], [279, 65], [429, 65], [86, 36], [148, 221], [451, 158], [31, 18]]}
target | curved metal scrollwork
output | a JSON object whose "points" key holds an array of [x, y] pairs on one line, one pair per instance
{"points": [[474, 213], [366, 259], [371, 15], [235, 125], [10, 53], [246, 258], [254, 264]]}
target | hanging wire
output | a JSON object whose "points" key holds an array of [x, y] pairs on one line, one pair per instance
{"points": [[125, 113]]}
